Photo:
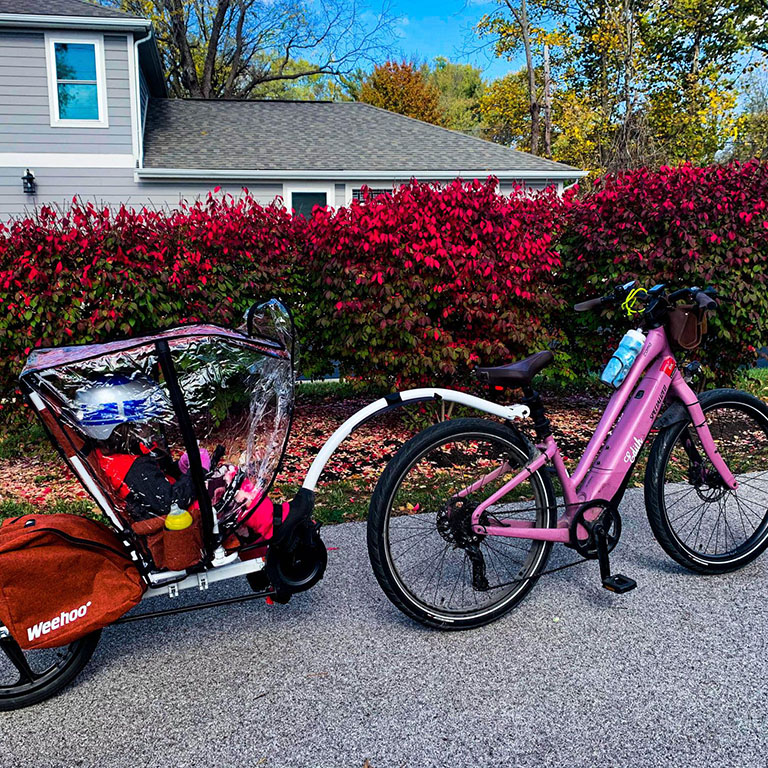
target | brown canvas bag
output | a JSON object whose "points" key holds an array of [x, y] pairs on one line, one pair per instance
{"points": [[62, 577]]}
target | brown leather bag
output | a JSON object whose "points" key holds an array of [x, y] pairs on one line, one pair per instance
{"points": [[686, 325], [62, 577]]}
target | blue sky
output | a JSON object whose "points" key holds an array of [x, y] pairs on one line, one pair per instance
{"points": [[444, 28]]}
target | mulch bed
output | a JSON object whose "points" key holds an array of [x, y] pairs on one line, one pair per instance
{"points": [[43, 479]]}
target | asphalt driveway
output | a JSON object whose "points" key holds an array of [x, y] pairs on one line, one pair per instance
{"points": [[672, 674]]}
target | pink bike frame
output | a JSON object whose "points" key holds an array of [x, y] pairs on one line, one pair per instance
{"points": [[614, 447]]}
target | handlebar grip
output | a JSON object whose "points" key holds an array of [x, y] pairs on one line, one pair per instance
{"points": [[704, 301], [585, 306]]}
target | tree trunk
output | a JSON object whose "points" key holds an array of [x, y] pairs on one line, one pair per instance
{"points": [[178, 25], [525, 31], [213, 48], [629, 77]]}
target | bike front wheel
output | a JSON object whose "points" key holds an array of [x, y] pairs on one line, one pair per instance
{"points": [[424, 554], [29, 677], [698, 521]]}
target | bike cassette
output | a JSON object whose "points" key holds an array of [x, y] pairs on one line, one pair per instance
{"points": [[588, 518], [454, 524]]}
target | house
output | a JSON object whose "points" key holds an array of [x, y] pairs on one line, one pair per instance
{"points": [[84, 110]]}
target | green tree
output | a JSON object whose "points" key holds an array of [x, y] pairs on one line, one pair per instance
{"points": [[751, 138], [460, 88], [307, 88], [402, 88]]}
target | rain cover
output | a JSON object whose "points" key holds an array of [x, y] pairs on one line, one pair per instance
{"points": [[108, 407]]}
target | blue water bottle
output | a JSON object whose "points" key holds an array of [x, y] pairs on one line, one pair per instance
{"points": [[618, 366]]}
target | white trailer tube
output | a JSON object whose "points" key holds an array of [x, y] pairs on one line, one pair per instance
{"points": [[395, 400]]}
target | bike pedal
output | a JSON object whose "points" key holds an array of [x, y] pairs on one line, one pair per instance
{"points": [[619, 584]]}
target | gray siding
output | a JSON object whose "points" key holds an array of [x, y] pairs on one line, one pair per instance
{"points": [[111, 187], [24, 111], [144, 97]]}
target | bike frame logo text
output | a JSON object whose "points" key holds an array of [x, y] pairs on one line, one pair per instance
{"points": [[634, 449], [57, 622]]}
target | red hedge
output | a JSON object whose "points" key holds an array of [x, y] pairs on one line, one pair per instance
{"points": [[410, 288], [89, 274], [420, 286], [683, 226]]}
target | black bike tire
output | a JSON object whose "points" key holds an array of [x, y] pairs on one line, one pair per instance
{"points": [[389, 482], [81, 652], [658, 460]]}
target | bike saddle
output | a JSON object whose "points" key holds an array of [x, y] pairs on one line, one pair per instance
{"points": [[516, 374]]}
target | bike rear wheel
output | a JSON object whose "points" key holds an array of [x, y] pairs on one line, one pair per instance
{"points": [[696, 519], [422, 549], [29, 677]]}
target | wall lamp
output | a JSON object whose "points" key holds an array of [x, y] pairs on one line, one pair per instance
{"points": [[29, 183]]}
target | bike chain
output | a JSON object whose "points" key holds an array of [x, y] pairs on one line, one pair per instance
{"points": [[538, 575]]}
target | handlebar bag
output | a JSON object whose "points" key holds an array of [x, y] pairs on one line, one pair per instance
{"points": [[62, 577], [687, 324]]}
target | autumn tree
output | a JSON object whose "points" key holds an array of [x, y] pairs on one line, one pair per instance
{"points": [[236, 48], [402, 88], [505, 108], [751, 139], [633, 82], [460, 88], [512, 30]]}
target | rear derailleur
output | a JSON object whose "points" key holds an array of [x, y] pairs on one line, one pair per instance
{"points": [[454, 524]]}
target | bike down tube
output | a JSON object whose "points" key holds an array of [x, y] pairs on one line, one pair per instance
{"points": [[510, 413], [655, 344]]}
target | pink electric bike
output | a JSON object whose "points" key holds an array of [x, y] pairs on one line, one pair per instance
{"points": [[464, 517]]}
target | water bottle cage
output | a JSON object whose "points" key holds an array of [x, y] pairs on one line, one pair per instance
{"points": [[620, 372]]}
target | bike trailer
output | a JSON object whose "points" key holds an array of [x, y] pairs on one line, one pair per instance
{"points": [[176, 435], [61, 578]]}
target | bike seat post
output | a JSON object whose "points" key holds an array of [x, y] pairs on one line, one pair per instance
{"points": [[541, 423]]}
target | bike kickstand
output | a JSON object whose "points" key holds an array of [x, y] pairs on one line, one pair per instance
{"points": [[617, 583]]}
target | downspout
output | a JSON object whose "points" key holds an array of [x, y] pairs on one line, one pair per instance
{"points": [[140, 121]]}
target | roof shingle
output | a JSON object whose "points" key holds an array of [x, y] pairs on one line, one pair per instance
{"points": [[61, 8], [312, 135]]}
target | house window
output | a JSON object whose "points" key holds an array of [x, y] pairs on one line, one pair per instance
{"points": [[76, 82], [357, 194], [302, 199], [303, 202]]}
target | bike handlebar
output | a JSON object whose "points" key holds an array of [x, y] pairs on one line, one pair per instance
{"points": [[585, 306], [704, 299]]}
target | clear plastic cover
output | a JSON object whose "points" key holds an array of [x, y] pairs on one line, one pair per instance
{"points": [[109, 407]]}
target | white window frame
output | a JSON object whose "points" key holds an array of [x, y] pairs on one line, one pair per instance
{"points": [[101, 80], [309, 186]]}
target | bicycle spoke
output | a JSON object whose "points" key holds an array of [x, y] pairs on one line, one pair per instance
{"points": [[429, 549], [16, 656], [707, 518]]}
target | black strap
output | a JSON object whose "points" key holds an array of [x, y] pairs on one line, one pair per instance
{"points": [[196, 470], [277, 517]]}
